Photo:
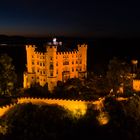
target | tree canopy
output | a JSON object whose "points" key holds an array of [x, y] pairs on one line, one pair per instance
{"points": [[8, 77], [117, 74]]}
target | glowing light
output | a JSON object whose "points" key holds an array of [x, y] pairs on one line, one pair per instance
{"points": [[103, 118], [54, 40]]}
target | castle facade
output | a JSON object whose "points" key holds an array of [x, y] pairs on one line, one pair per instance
{"points": [[55, 64]]}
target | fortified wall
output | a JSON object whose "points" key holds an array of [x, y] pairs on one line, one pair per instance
{"points": [[77, 107]]}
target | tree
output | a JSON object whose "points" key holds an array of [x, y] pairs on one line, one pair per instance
{"points": [[8, 77], [118, 74]]}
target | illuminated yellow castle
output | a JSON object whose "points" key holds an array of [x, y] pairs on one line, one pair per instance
{"points": [[55, 64]]}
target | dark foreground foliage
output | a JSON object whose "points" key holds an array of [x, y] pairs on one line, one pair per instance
{"points": [[52, 122]]}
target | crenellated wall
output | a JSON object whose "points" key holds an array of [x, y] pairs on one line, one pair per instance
{"points": [[77, 107], [4, 109]]}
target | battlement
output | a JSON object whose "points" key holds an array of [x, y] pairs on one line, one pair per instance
{"points": [[67, 53], [6, 108], [82, 45], [40, 53], [72, 105], [30, 47]]}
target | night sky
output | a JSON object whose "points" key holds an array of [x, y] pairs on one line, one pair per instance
{"points": [[95, 18]]}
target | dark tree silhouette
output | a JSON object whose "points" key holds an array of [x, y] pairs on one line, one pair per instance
{"points": [[117, 74], [8, 77]]}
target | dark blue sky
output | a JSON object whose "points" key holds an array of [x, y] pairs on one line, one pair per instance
{"points": [[113, 18]]}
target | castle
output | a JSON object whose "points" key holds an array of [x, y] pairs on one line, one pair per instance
{"points": [[57, 63]]}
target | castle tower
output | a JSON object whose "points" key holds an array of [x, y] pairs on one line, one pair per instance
{"points": [[82, 58], [30, 50], [51, 65]]}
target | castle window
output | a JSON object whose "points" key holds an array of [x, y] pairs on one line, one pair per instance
{"points": [[65, 63], [76, 69], [44, 80], [51, 66], [72, 69], [80, 62], [72, 62], [32, 56], [40, 64], [37, 63], [51, 58], [57, 72], [76, 62], [43, 64], [32, 62], [43, 72], [56, 63], [40, 72], [51, 74]]}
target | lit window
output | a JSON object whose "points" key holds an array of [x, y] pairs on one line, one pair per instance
{"points": [[65, 63], [51, 74], [51, 66], [72, 69], [56, 63]]}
